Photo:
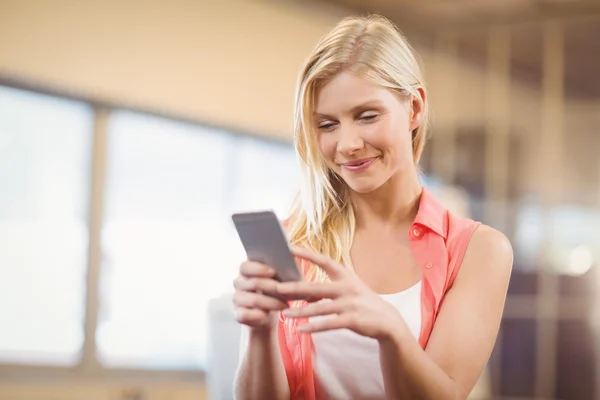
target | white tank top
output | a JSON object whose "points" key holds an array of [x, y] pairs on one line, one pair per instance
{"points": [[347, 364]]}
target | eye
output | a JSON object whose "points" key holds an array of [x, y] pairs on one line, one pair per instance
{"points": [[368, 117], [326, 125]]}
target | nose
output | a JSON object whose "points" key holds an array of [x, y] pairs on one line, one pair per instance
{"points": [[349, 140]]}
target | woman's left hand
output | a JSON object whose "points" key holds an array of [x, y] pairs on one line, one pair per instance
{"points": [[353, 305]]}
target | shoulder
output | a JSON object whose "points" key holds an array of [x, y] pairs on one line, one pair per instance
{"points": [[487, 241], [489, 256]]}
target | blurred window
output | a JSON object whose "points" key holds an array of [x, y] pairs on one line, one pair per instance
{"points": [[45, 153], [168, 243], [574, 247]]}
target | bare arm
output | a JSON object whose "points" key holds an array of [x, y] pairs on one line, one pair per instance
{"points": [[464, 333], [261, 374]]}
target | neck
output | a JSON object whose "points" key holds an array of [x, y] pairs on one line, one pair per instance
{"points": [[394, 203]]}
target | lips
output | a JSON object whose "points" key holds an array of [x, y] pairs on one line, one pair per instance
{"points": [[359, 165], [356, 163]]}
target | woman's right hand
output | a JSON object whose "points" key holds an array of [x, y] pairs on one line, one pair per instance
{"points": [[254, 301]]}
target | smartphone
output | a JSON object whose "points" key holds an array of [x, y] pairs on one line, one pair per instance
{"points": [[265, 241]]}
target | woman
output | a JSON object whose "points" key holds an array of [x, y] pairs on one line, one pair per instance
{"points": [[412, 295]]}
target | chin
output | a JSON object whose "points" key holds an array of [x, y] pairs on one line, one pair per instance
{"points": [[364, 186]]}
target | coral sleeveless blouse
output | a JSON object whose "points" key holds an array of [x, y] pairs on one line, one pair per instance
{"points": [[438, 240]]}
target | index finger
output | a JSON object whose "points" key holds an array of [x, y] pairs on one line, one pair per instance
{"points": [[310, 291], [257, 270], [333, 269]]}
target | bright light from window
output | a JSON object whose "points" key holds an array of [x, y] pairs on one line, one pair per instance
{"points": [[168, 241], [45, 147], [580, 261]]}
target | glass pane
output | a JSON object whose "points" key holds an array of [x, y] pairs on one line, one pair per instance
{"points": [[45, 152], [164, 239], [577, 346], [575, 241], [529, 227], [266, 178], [522, 282], [168, 242], [518, 358]]}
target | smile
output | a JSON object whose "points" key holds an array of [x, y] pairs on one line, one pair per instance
{"points": [[359, 165]]}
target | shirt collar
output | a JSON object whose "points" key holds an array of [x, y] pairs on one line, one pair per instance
{"points": [[432, 214]]}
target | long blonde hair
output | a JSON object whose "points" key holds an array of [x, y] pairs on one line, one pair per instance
{"points": [[322, 217]]}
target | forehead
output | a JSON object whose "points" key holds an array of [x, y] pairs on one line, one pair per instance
{"points": [[347, 90]]}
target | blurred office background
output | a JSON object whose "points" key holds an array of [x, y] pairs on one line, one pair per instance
{"points": [[130, 130]]}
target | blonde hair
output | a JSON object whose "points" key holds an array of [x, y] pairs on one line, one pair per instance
{"points": [[322, 217]]}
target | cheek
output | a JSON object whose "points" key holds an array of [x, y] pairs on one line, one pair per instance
{"points": [[385, 137], [393, 137], [328, 146]]}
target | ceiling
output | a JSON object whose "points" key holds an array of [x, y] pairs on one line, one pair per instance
{"points": [[448, 13], [468, 19]]}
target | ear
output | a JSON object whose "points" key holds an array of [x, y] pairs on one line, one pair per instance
{"points": [[418, 108]]}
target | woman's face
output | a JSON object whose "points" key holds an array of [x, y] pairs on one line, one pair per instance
{"points": [[365, 130]]}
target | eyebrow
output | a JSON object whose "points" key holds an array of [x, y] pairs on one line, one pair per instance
{"points": [[353, 110]]}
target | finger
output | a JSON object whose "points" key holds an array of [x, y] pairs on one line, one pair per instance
{"points": [[313, 291], [318, 309], [255, 269], [343, 321], [259, 301], [251, 316], [260, 285], [331, 268]]}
